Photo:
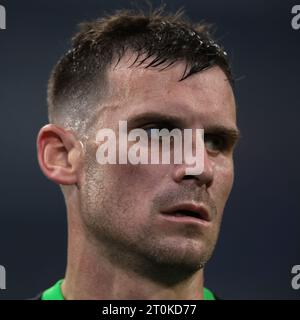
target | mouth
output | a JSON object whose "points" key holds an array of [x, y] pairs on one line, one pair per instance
{"points": [[188, 212]]}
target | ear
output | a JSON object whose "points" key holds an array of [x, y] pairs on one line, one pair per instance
{"points": [[59, 154]]}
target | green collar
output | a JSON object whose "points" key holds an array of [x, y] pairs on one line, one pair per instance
{"points": [[55, 293]]}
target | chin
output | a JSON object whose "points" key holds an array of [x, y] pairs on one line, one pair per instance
{"points": [[183, 259]]}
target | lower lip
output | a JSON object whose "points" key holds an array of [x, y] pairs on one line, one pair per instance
{"points": [[185, 219]]}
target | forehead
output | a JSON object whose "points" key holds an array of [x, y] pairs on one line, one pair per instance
{"points": [[206, 96]]}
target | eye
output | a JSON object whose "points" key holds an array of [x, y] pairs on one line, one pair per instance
{"points": [[214, 143]]}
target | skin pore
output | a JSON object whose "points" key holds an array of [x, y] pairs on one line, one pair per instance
{"points": [[119, 244]]}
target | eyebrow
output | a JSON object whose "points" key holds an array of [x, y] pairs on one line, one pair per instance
{"points": [[148, 117], [233, 134]]}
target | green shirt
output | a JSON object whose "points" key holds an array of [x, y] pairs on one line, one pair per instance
{"points": [[55, 293]]}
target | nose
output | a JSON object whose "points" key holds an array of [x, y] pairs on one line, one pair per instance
{"points": [[204, 178]]}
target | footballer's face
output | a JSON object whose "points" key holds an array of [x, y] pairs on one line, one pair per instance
{"points": [[144, 212]]}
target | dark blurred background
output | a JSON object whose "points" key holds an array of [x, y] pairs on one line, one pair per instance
{"points": [[260, 238]]}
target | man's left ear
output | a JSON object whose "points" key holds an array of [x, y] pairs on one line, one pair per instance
{"points": [[59, 154]]}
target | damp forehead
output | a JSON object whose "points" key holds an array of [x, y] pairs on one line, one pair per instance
{"points": [[126, 80], [131, 87]]}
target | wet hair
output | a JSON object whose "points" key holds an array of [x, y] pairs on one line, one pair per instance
{"points": [[78, 80]]}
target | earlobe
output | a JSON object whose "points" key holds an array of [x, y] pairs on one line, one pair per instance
{"points": [[58, 156]]}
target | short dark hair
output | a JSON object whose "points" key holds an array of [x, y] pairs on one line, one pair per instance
{"points": [[159, 40]]}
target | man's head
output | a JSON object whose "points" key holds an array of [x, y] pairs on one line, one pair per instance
{"points": [[153, 72]]}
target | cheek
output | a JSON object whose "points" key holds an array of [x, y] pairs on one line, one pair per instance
{"points": [[133, 185], [129, 190], [222, 184]]}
